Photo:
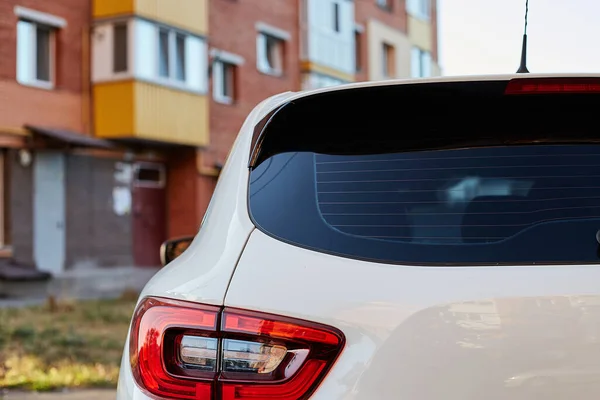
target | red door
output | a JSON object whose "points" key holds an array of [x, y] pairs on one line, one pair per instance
{"points": [[149, 209]]}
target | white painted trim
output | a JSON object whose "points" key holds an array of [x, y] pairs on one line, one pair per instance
{"points": [[227, 57], [223, 99], [273, 31], [39, 84], [40, 17], [271, 72]]}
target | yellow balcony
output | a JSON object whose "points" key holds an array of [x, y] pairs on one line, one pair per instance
{"points": [[187, 14], [139, 110]]}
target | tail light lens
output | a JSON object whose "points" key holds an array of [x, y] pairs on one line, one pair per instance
{"points": [[181, 350], [159, 348]]}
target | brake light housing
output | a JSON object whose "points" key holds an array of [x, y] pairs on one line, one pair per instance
{"points": [[522, 86], [183, 350]]}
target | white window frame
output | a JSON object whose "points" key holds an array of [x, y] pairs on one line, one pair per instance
{"points": [[420, 8], [219, 67], [264, 33], [143, 62], [52, 23], [261, 54], [422, 57], [97, 59], [220, 59], [39, 17], [171, 79], [32, 58]]}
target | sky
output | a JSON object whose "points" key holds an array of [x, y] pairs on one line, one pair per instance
{"points": [[485, 36]]}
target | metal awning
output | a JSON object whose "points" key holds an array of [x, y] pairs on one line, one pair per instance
{"points": [[70, 137]]}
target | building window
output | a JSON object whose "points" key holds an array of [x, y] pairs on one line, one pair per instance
{"points": [[358, 50], [385, 4], [35, 54], [152, 52], [327, 34], [336, 17], [317, 81], [180, 57], [388, 61], [120, 47], [171, 54], [419, 8], [420, 63], [269, 57], [163, 53], [224, 82]]}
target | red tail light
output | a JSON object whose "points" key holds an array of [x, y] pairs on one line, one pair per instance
{"points": [[181, 350], [552, 85]]}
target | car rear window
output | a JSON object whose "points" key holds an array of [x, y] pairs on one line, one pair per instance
{"points": [[483, 204]]}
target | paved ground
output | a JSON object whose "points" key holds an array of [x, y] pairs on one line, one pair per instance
{"points": [[82, 283], [75, 395]]}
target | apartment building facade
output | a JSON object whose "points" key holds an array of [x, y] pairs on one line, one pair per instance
{"points": [[272, 46], [254, 54], [44, 115], [149, 77], [117, 115]]}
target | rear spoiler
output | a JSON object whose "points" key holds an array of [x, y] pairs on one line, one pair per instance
{"points": [[397, 108]]}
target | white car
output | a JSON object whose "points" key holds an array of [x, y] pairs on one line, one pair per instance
{"points": [[412, 239]]}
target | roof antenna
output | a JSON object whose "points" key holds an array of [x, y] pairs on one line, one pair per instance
{"points": [[523, 67]]}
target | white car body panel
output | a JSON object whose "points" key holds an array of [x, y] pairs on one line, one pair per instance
{"points": [[398, 345], [389, 314]]}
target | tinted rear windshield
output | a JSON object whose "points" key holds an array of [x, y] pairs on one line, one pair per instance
{"points": [[492, 192]]}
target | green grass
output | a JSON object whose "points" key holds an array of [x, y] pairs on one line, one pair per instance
{"points": [[63, 345]]}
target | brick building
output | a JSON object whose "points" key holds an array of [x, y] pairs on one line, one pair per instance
{"points": [[254, 53], [116, 115], [45, 116]]}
